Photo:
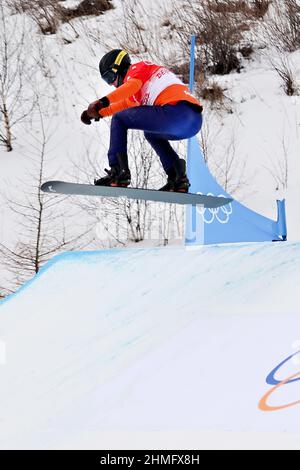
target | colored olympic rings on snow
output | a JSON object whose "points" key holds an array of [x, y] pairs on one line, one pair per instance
{"points": [[271, 380]]}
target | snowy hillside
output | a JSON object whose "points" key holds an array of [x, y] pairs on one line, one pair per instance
{"points": [[141, 345], [251, 140], [98, 349]]}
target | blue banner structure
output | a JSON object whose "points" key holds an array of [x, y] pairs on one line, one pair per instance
{"points": [[232, 223]]}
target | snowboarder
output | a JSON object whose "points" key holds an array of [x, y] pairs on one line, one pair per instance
{"points": [[150, 98]]}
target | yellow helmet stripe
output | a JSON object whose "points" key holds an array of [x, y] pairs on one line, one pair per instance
{"points": [[120, 57]]}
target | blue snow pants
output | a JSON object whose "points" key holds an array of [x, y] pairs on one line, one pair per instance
{"points": [[160, 124]]}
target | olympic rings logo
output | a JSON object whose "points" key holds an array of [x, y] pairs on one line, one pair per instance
{"points": [[277, 384], [220, 214]]}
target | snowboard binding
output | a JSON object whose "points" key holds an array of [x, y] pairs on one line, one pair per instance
{"points": [[177, 178], [118, 175]]}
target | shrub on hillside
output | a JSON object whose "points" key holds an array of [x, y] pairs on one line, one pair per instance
{"points": [[287, 74], [86, 8], [45, 13], [213, 93], [220, 27], [260, 8], [48, 14]]}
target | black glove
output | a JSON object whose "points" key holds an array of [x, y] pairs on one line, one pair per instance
{"points": [[96, 106], [85, 118]]}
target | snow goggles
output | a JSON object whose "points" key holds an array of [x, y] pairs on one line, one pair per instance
{"points": [[110, 76]]}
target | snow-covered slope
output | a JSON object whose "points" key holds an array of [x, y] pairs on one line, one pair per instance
{"points": [[258, 138], [154, 346], [151, 347]]}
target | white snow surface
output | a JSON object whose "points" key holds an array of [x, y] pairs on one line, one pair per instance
{"points": [[153, 348]]}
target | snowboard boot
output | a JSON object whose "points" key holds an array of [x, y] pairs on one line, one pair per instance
{"points": [[124, 176], [182, 183], [177, 178], [110, 178], [118, 175], [170, 186]]}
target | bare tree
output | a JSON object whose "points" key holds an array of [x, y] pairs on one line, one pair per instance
{"points": [[279, 167], [209, 134], [135, 32], [283, 26], [143, 30], [120, 221], [42, 230], [229, 169], [16, 101], [226, 165]]}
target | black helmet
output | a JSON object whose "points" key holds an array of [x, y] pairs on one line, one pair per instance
{"points": [[113, 65]]}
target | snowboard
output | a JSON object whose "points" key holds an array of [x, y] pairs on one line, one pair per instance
{"points": [[62, 187]]}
